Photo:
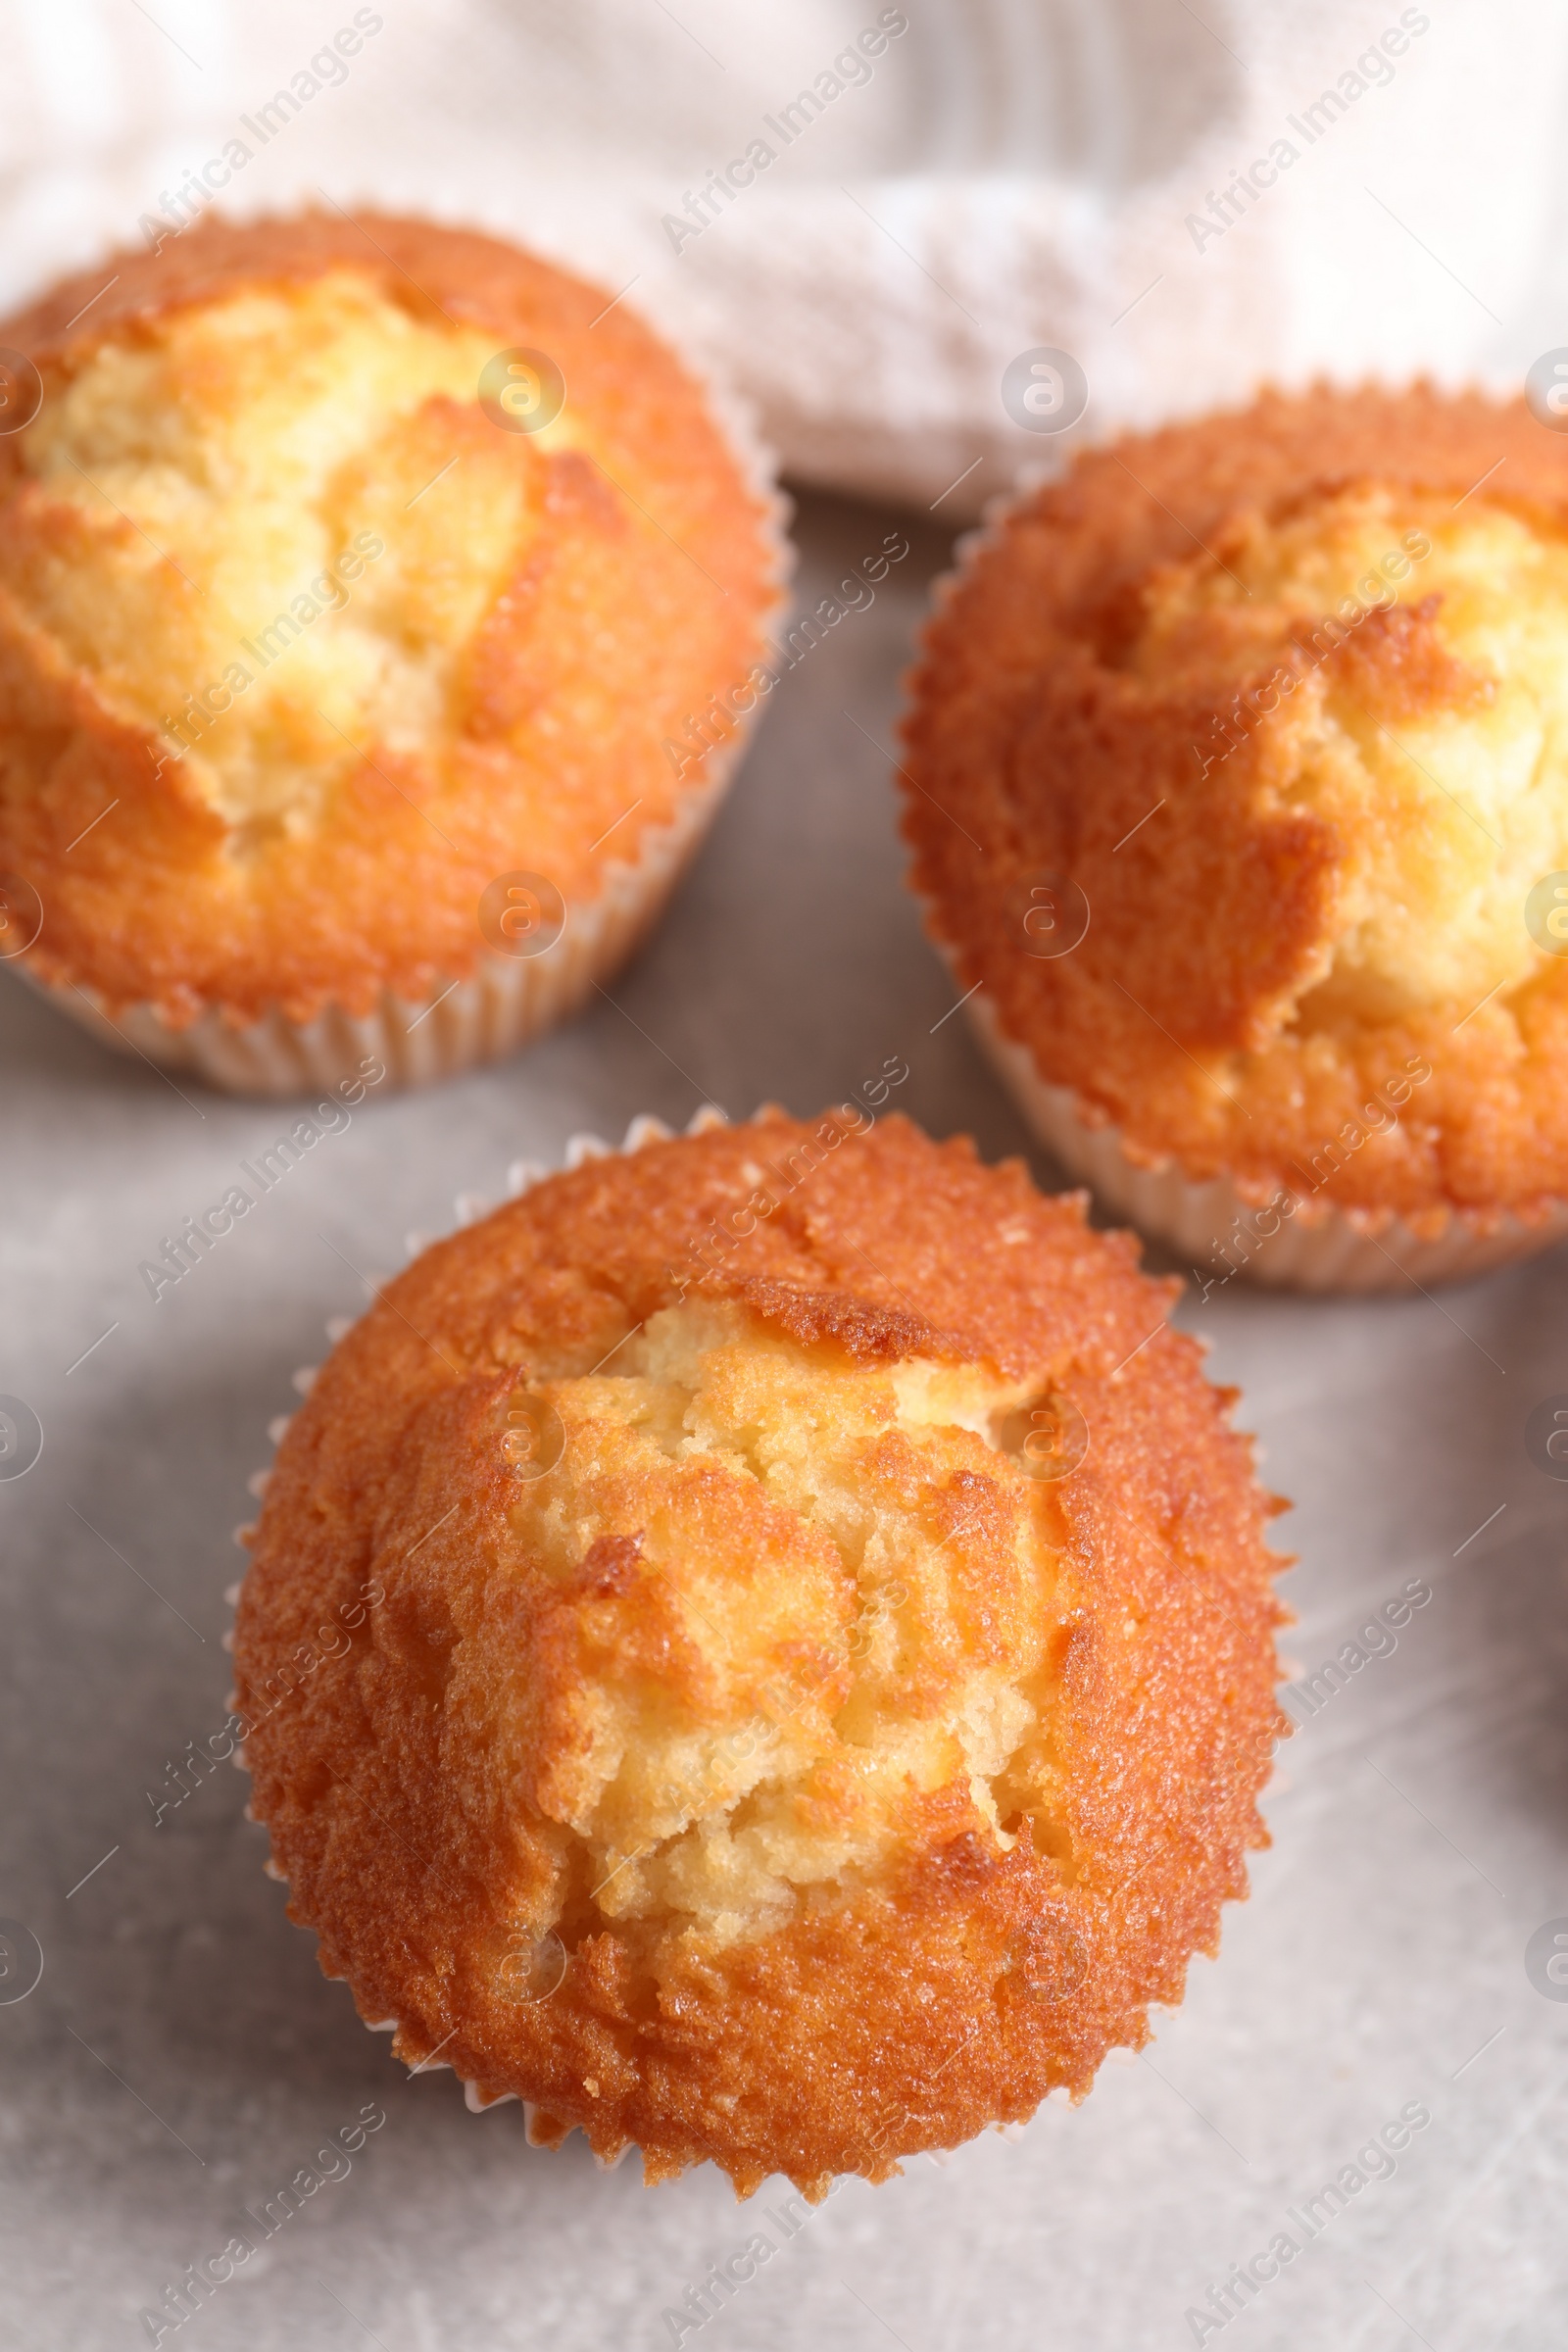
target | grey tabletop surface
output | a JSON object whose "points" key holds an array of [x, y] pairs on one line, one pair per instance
{"points": [[180, 2058]]}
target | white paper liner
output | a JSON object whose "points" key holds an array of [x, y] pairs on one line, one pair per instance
{"points": [[521, 1176], [1321, 1248], [507, 1001]]}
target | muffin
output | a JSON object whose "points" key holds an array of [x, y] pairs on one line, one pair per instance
{"points": [[1237, 783], [762, 1649], [380, 614]]}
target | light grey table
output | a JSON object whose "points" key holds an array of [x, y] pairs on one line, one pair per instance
{"points": [[182, 2058]]}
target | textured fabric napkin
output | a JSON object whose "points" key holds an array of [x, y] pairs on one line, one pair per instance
{"points": [[866, 214]]}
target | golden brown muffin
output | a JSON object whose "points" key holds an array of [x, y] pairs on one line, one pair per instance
{"points": [[809, 1661], [1277, 703], [314, 620]]}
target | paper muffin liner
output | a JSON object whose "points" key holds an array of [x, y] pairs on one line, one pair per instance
{"points": [[468, 1208], [507, 1001], [1317, 1246]]}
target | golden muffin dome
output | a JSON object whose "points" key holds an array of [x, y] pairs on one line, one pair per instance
{"points": [[810, 1662], [346, 568], [1276, 705]]}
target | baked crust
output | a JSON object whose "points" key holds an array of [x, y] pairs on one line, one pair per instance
{"points": [[424, 1787], [1065, 724], [640, 569]]}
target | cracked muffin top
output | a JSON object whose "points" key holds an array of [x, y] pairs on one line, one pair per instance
{"points": [[1279, 700], [809, 1657]]}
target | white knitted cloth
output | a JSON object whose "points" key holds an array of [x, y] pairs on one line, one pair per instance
{"points": [[994, 176]]}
